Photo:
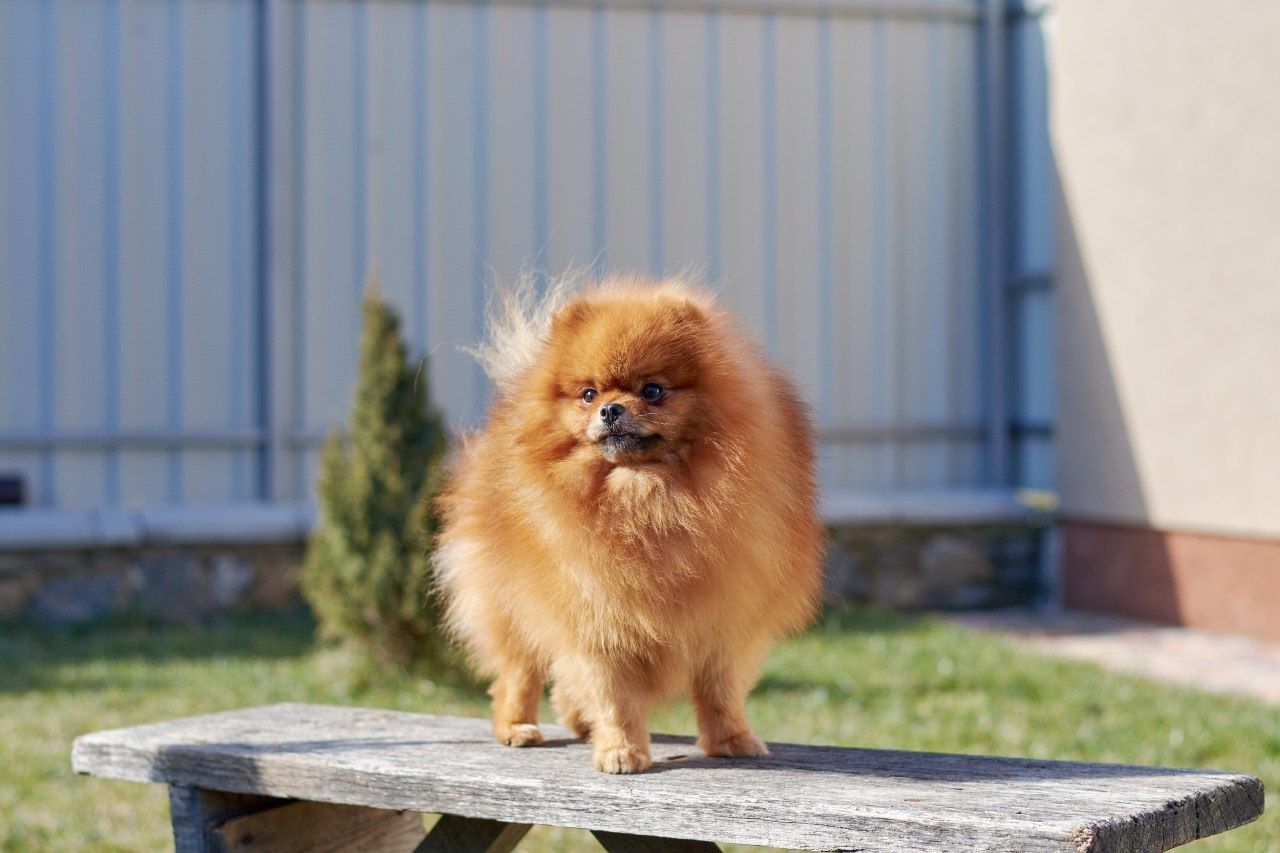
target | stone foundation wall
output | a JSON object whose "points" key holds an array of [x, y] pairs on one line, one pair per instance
{"points": [[943, 567], [891, 566], [170, 584]]}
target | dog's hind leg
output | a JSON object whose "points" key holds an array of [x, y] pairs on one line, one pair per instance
{"points": [[570, 711], [516, 693]]}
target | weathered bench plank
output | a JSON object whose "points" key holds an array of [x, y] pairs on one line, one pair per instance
{"points": [[813, 798]]}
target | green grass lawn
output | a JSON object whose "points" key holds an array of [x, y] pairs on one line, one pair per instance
{"points": [[864, 679]]}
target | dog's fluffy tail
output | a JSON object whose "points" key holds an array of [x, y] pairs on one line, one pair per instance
{"points": [[518, 320]]}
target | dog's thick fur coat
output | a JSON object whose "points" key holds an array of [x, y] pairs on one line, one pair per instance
{"points": [[629, 561]]}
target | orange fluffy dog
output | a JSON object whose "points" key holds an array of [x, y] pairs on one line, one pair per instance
{"points": [[637, 518]]}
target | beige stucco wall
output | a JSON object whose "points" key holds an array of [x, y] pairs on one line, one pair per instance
{"points": [[1166, 131]]}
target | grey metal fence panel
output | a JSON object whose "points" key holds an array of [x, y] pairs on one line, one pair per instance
{"points": [[196, 191], [127, 276]]}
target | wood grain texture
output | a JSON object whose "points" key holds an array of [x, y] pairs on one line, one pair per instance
{"points": [[322, 828], [811, 798]]}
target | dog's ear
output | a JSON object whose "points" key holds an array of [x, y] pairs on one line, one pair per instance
{"points": [[685, 313], [570, 318]]}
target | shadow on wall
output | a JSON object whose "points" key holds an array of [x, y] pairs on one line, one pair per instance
{"points": [[1107, 564], [1164, 246]]}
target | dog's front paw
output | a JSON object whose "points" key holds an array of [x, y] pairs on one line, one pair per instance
{"points": [[622, 759], [520, 734], [743, 745]]}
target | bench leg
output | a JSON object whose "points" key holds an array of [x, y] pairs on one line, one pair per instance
{"points": [[454, 834], [196, 813], [622, 842], [207, 821]]}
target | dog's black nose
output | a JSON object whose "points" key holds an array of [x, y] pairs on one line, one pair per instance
{"points": [[610, 412]]}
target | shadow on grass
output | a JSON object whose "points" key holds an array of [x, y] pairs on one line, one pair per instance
{"points": [[792, 673], [838, 618], [35, 656], [41, 657]]}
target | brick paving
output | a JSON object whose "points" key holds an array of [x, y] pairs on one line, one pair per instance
{"points": [[1214, 662]]}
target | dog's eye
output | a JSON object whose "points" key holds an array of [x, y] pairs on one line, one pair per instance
{"points": [[651, 391], [589, 395]]}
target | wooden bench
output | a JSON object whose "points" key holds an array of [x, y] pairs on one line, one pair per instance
{"points": [[317, 777]]}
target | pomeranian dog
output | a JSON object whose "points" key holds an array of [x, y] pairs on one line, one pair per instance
{"points": [[637, 519]]}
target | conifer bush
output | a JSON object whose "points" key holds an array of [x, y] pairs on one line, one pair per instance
{"points": [[367, 573]]}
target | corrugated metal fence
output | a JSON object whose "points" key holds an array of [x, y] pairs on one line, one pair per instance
{"points": [[193, 192]]}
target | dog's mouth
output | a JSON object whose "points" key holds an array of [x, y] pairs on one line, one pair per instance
{"points": [[628, 442]]}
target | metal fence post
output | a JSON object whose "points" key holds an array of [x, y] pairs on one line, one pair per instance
{"points": [[994, 242], [276, 374]]}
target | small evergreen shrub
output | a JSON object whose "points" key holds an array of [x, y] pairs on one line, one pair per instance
{"points": [[367, 573]]}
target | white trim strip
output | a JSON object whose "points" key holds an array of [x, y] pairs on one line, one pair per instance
{"points": [[39, 529], [229, 524]]}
